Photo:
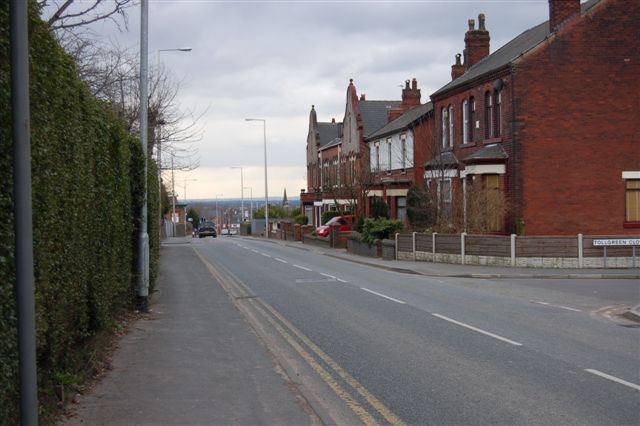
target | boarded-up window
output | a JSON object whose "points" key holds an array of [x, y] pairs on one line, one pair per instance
{"points": [[633, 200]]}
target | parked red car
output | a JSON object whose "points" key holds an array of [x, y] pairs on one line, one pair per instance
{"points": [[344, 222]]}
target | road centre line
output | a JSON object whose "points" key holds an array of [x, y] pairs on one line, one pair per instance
{"points": [[265, 255], [255, 251], [328, 276], [281, 260], [613, 378], [478, 330], [383, 296], [341, 280], [302, 267]]}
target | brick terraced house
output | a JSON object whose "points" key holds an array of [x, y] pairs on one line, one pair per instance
{"points": [[551, 120]]}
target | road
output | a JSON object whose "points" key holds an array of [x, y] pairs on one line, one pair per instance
{"points": [[407, 349]]}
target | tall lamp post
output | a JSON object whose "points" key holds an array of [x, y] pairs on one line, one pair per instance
{"points": [[143, 236], [251, 206], [266, 186], [159, 122], [241, 193]]}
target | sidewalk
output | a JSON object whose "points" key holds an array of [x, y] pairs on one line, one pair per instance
{"points": [[470, 271], [193, 360]]}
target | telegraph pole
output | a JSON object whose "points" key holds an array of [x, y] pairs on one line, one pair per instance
{"points": [[143, 237]]}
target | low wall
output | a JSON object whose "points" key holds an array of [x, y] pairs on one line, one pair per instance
{"points": [[531, 252]]}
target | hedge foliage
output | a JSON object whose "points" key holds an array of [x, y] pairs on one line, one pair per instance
{"points": [[86, 184]]}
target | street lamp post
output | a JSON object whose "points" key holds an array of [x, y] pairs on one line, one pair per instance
{"points": [[143, 236], [159, 122], [241, 193], [266, 186], [251, 206]]}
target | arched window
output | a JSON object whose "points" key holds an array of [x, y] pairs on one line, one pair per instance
{"points": [[497, 119], [445, 127]]}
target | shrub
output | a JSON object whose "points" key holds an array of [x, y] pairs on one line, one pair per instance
{"points": [[301, 219], [378, 229]]}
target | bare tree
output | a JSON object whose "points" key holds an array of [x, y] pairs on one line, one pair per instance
{"points": [[62, 15]]}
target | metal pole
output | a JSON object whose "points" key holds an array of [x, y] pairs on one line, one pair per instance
{"points": [[25, 298], [143, 244], [266, 187], [173, 197], [241, 195]]}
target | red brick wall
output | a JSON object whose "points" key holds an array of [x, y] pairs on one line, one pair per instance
{"points": [[423, 137], [578, 123]]}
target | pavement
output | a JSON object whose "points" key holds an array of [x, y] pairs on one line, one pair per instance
{"points": [[195, 360]]}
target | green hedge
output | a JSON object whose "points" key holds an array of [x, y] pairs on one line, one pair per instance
{"points": [[86, 179]]}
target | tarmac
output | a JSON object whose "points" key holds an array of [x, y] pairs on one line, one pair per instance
{"points": [[178, 366]]}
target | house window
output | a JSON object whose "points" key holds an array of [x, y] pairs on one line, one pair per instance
{"points": [[445, 129], [389, 153], [497, 119], [377, 158], [632, 200], [465, 122], [403, 142], [472, 119], [488, 116], [444, 196], [450, 125], [401, 208]]}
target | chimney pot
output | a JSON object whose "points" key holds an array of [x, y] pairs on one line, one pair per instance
{"points": [[333, 120], [414, 84], [472, 25], [363, 97], [481, 22]]}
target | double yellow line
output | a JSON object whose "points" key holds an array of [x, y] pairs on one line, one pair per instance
{"points": [[308, 350]]}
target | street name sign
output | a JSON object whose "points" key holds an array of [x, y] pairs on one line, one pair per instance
{"points": [[617, 242]]}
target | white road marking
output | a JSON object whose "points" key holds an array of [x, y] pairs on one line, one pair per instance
{"points": [[614, 379], [255, 251], [265, 255], [329, 276], [302, 267], [470, 327], [569, 309], [342, 281], [556, 306], [382, 295], [281, 260]]}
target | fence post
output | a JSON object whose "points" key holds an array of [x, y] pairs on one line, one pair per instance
{"points": [[462, 248], [396, 248], [414, 246], [433, 244], [513, 249], [580, 251]]}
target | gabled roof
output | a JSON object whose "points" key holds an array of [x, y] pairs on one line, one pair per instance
{"points": [[328, 132], [508, 53], [404, 121], [375, 114], [332, 143]]}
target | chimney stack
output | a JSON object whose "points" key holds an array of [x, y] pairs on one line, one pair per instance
{"points": [[560, 11], [476, 42], [458, 68], [410, 98], [363, 97]]}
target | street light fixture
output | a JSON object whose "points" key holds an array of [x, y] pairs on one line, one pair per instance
{"points": [[241, 192], [266, 187]]}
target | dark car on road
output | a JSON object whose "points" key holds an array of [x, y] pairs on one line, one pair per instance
{"points": [[207, 230]]}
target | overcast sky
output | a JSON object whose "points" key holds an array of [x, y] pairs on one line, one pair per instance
{"points": [[274, 59]]}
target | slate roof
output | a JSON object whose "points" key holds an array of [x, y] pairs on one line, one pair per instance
{"points": [[403, 121], [375, 114], [508, 53], [446, 160], [334, 142], [489, 152], [328, 132]]}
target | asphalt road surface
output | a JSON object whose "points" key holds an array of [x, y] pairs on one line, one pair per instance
{"points": [[407, 349]]}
